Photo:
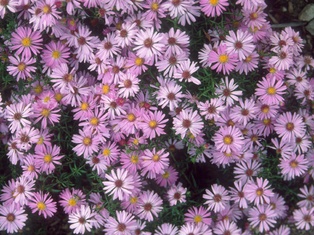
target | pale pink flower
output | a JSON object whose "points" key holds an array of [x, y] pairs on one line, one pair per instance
{"points": [[213, 8], [82, 219], [150, 204], [87, 143], [258, 192], [12, 218], [304, 218], [263, 217], [217, 199], [43, 203], [124, 223], [293, 166], [185, 70]]}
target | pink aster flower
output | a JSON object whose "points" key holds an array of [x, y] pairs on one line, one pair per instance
{"points": [[124, 223], [166, 228], [12, 218], [304, 218], [176, 42], [46, 113], [217, 199], [288, 126], [119, 184], [153, 124], [55, 54], [227, 227], [150, 204], [228, 139], [221, 60], [21, 67], [154, 162], [87, 143], [26, 137], [168, 177], [7, 192], [23, 190], [176, 194], [263, 217], [125, 35], [237, 195], [211, 109], [293, 166], [71, 200], [213, 8], [188, 121], [248, 64], [169, 94], [17, 114], [227, 91], [307, 196], [26, 42], [185, 70], [30, 168], [108, 48], [82, 219], [128, 85], [43, 203], [198, 215], [270, 91], [47, 158], [147, 44], [245, 170], [258, 192], [283, 60]]}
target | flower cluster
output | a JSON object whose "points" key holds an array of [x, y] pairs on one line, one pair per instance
{"points": [[113, 102]]}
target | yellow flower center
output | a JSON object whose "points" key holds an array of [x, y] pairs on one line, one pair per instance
{"points": [[166, 175], [213, 2], [47, 158], [198, 219], [26, 42], [228, 139], [134, 159], [294, 164], [58, 97], [41, 140], [41, 206], [133, 200], [46, 99], [155, 6], [271, 90], [248, 59], [136, 141], [56, 54], [84, 106], [21, 66], [139, 61], [31, 168], [94, 121], [72, 202], [87, 141], [38, 89], [266, 121], [106, 152], [46, 9], [156, 158], [223, 58], [105, 89], [259, 192], [45, 112], [272, 70], [152, 124], [131, 117]]}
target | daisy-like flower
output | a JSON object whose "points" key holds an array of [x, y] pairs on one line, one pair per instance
{"points": [[307, 194], [211, 109], [147, 44], [21, 67], [176, 42], [26, 41], [288, 126], [71, 200], [240, 42], [227, 91], [185, 70], [263, 217], [170, 95], [217, 199], [258, 192], [293, 166], [43, 203], [237, 195], [278, 205], [119, 184], [248, 64], [283, 60], [124, 223], [166, 228], [213, 8], [270, 91], [168, 177], [228, 139], [82, 219], [153, 124], [108, 48], [198, 215], [176, 194], [282, 230], [188, 121], [46, 113], [23, 190], [245, 170], [192, 228], [154, 162], [47, 158], [150, 204], [26, 137], [304, 218], [125, 35], [87, 143], [221, 60], [17, 114], [12, 218], [55, 54], [227, 227], [128, 85], [244, 112]]}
